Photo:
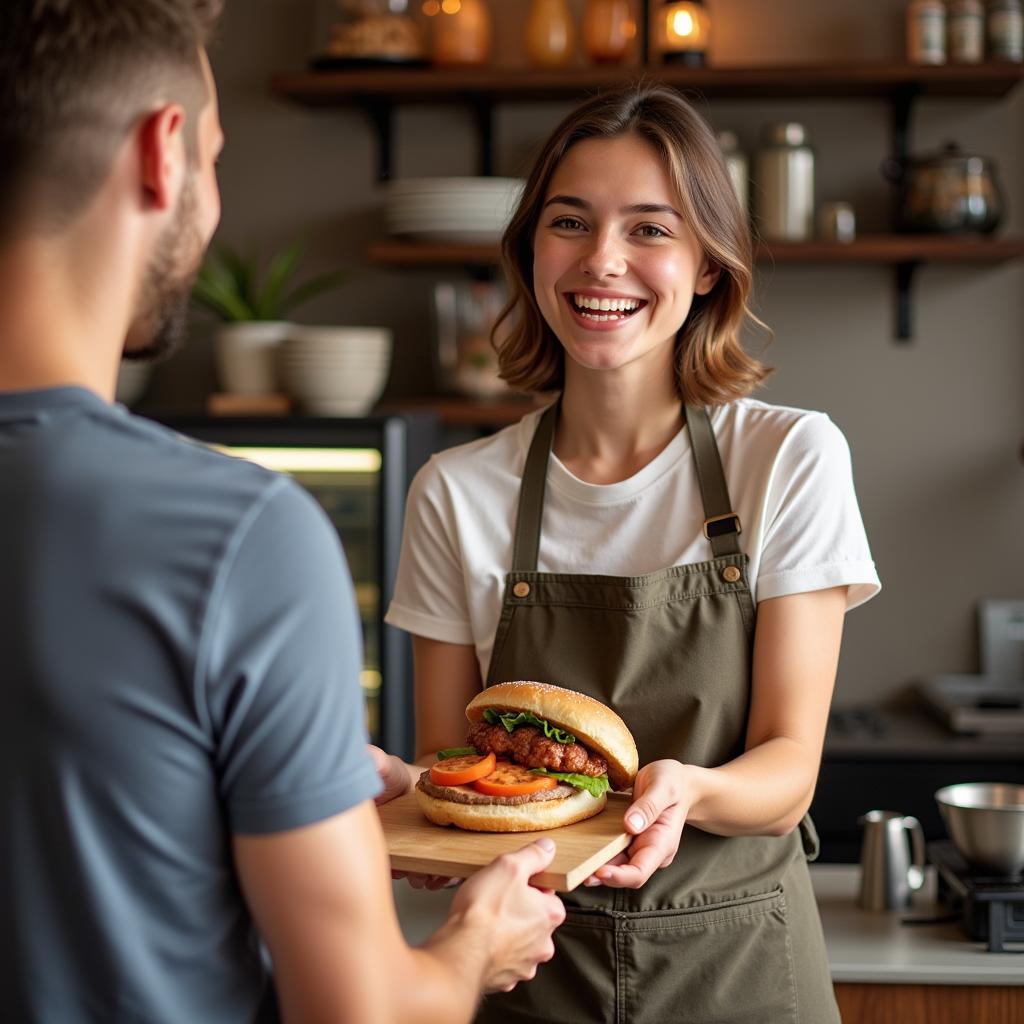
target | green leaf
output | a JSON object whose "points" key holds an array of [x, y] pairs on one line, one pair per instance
{"points": [[443, 755], [315, 286], [240, 271], [283, 265], [214, 290], [513, 719], [594, 785]]}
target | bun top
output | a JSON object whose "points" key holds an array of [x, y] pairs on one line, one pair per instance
{"points": [[594, 724]]}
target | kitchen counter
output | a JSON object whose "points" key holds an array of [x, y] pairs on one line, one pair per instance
{"points": [[875, 948], [863, 947]]}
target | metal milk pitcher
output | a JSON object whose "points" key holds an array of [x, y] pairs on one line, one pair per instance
{"points": [[891, 860]]}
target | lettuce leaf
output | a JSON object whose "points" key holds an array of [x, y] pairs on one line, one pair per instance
{"points": [[512, 719], [443, 755], [595, 786]]}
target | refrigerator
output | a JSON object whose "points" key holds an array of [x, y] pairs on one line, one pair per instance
{"points": [[359, 471]]}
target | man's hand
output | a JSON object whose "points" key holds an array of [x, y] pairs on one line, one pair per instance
{"points": [[662, 795], [393, 773], [510, 917]]}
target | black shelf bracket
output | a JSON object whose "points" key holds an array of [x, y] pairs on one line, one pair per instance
{"points": [[382, 116], [904, 306], [902, 108], [483, 114]]}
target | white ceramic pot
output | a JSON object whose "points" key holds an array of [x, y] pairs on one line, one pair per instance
{"points": [[247, 355]]}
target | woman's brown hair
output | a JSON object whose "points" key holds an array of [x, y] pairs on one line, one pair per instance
{"points": [[711, 365]]}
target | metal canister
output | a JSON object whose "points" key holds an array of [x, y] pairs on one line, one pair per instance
{"points": [[736, 165], [784, 183], [1006, 31]]}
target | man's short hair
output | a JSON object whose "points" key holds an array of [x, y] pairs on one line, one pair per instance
{"points": [[75, 77]]}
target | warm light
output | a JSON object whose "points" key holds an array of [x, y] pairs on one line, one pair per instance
{"points": [[431, 7], [682, 24], [451, 6], [629, 29], [685, 27], [308, 460]]}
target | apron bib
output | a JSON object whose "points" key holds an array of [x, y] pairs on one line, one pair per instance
{"points": [[729, 932]]}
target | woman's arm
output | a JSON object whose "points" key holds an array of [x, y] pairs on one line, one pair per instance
{"points": [[767, 790]]}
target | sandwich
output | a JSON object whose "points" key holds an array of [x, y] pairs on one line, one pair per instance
{"points": [[537, 757]]}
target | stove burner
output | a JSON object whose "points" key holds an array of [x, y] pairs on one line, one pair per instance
{"points": [[990, 909]]}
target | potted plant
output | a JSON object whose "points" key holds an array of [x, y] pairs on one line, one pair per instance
{"points": [[254, 307]]}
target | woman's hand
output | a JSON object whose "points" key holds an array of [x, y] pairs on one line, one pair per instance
{"points": [[393, 773], [662, 795]]}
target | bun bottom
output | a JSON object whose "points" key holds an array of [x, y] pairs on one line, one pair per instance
{"points": [[529, 817]]}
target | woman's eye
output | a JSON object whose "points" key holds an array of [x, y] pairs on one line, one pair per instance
{"points": [[569, 223], [651, 231]]}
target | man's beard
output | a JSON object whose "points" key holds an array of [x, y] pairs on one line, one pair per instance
{"points": [[160, 325]]}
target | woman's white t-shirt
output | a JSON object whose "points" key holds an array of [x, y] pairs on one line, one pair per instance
{"points": [[789, 478]]}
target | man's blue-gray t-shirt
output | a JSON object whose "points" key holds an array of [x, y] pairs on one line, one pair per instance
{"points": [[179, 660]]}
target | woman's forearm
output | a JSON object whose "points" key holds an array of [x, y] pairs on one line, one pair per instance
{"points": [[765, 791]]}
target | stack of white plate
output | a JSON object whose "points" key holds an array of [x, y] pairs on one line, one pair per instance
{"points": [[451, 209], [336, 371]]}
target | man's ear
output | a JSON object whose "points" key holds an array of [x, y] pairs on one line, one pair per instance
{"points": [[708, 277], [162, 155]]}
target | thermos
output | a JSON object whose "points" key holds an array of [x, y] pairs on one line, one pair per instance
{"points": [[784, 183], [889, 872]]}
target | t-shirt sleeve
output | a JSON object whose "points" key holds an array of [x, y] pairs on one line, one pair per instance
{"points": [[280, 658], [814, 535], [430, 591]]}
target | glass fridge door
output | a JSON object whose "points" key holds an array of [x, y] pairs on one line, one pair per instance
{"points": [[346, 483]]}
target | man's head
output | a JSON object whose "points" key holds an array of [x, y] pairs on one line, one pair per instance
{"points": [[79, 81]]}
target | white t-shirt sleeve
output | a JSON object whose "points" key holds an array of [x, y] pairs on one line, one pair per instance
{"points": [[814, 536], [430, 592]]}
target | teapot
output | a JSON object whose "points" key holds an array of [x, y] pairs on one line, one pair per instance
{"points": [[949, 191]]}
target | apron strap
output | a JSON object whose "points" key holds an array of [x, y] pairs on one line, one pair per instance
{"points": [[531, 493], [721, 524]]}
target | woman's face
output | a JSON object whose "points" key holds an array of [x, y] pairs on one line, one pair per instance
{"points": [[615, 265]]}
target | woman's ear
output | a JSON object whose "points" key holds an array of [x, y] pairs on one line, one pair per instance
{"points": [[708, 276]]}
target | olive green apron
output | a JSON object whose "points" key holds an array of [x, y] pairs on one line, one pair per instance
{"points": [[729, 932]]}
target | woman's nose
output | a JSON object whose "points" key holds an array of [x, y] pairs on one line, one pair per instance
{"points": [[602, 257]]}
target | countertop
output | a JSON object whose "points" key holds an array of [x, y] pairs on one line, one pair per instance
{"points": [[875, 948], [863, 947]]}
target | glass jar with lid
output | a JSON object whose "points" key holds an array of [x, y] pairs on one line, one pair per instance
{"points": [[784, 183]]}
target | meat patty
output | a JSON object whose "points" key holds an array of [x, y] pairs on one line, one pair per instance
{"points": [[468, 795], [529, 747]]}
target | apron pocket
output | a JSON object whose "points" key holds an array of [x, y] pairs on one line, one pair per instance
{"points": [[577, 986], [729, 963]]}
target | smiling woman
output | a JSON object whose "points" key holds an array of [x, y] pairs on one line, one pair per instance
{"points": [[651, 155], [660, 541]]}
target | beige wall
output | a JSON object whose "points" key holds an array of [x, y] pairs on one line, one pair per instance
{"points": [[935, 426]]}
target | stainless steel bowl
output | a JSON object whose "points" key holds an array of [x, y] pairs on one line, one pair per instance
{"points": [[985, 820]]}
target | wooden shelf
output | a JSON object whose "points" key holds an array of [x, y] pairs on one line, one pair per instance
{"points": [[866, 249], [466, 412], [437, 85]]}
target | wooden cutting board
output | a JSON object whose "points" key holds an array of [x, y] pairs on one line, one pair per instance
{"points": [[415, 844]]}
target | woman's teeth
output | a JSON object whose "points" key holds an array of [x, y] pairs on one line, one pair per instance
{"points": [[592, 308]]}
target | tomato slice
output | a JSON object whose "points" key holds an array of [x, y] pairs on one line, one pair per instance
{"points": [[457, 771], [509, 779]]}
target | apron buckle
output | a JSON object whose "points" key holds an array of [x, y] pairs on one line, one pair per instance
{"points": [[717, 526]]}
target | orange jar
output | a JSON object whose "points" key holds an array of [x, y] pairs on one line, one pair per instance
{"points": [[608, 27], [462, 34], [550, 34]]}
